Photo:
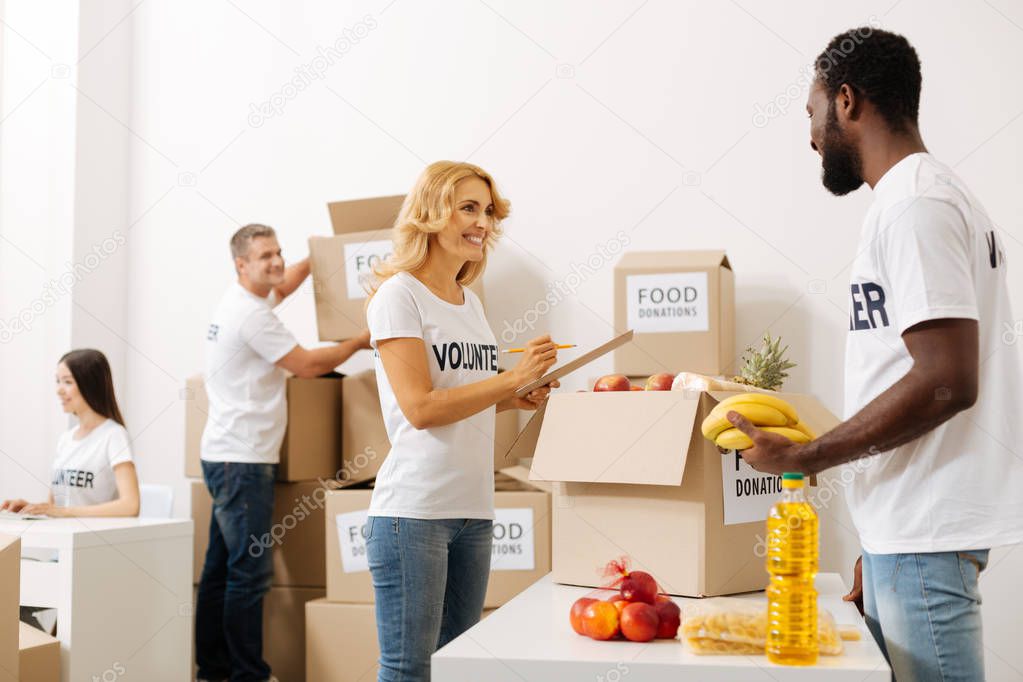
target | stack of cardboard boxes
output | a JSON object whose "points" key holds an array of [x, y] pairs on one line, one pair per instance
{"points": [[336, 442]]}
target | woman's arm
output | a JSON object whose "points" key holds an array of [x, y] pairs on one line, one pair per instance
{"points": [[404, 361], [126, 504]]}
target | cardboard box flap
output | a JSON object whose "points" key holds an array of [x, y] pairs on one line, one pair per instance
{"points": [[525, 443], [687, 259], [615, 437], [810, 410], [363, 215]]}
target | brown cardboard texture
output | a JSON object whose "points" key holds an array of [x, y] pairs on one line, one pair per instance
{"points": [[312, 441], [364, 437], [342, 265], [634, 476], [295, 540], [39, 656], [284, 630], [520, 556], [10, 594], [341, 642], [681, 304], [197, 407]]}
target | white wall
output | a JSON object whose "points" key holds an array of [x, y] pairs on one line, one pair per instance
{"points": [[594, 117]]}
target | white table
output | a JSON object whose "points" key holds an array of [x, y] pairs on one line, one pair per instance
{"points": [[122, 588], [530, 639]]}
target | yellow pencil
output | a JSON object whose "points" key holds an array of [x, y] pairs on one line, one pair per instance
{"points": [[523, 350]]}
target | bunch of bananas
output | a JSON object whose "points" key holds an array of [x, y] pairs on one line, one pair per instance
{"points": [[765, 411]]}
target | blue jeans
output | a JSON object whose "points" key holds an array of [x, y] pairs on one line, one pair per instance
{"points": [[924, 612], [430, 578], [237, 573]]}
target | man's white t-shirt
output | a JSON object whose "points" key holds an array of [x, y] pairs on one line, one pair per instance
{"points": [[445, 472], [83, 471], [929, 251], [248, 406]]}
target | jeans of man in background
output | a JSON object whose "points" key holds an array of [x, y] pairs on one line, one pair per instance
{"points": [[236, 574]]}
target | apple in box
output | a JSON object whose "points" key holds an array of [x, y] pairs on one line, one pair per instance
{"points": [[660, 382], [612, 382]]}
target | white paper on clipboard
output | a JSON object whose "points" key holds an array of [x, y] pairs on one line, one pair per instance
{"points": [[573, 365]]}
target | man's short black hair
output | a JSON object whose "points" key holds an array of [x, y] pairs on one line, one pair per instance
{"points": [[880, 66]]}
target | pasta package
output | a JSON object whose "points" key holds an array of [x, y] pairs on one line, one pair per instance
{"points": [[739, 627]]}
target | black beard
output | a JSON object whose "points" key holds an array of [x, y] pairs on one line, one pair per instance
{"points": [[842, 165]]}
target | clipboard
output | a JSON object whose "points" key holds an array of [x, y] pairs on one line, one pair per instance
{"points": [[573, 365]]}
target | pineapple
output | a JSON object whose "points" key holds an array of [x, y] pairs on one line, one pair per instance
{"points": [[765, 368]]}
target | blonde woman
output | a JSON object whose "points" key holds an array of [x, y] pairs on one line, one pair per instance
{"points": [[431, 516]]}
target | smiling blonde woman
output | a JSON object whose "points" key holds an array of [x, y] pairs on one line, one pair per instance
{"points": [[430, 525]]}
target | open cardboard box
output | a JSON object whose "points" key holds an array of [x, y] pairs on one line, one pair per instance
{"points": [[342, 265], [635, 477]]}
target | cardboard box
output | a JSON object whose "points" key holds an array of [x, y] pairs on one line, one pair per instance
{"points": [[342, 265], [635, 477], [39, 655], [364, 441], [312, 442], [10, 594], [341, 642], [681, 304], [296, 535], [521, 555], [284, 631]]}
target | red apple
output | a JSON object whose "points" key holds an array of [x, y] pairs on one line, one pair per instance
{"points": [[612, 382], [639, 586], [575, 615], [635, 388], [670, 618], [639, 622], [600, 620], [660, 382]]}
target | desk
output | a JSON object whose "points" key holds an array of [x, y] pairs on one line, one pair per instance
{"points": [[122, 588], [529, 638]]}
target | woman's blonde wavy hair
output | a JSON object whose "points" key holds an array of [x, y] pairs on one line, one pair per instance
{"points": [[427, 210]]}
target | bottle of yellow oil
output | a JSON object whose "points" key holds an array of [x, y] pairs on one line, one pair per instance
{"points": [[792, 560]]}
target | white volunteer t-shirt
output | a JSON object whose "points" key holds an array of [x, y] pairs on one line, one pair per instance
{"points": [[445, 472], [248, 407], [83, 471], [928, 251]]}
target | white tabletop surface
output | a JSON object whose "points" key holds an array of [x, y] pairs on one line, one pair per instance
{"points": [[86, 532], [530, 638]]}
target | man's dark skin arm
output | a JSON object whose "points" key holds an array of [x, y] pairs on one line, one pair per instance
{"points": [[941, 383]]}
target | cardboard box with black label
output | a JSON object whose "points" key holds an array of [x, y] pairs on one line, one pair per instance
{"points": [[364, 438], [312, 441], [342, 265], [341, 642], [634, 476], [295, 540], [520, 555], [681, 306]]}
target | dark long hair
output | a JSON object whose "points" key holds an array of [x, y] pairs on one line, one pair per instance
{"points": [[91, 371]]}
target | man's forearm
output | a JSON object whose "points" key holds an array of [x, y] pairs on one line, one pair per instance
{"points": [[911, 407], [326, 359], [293, 277]]}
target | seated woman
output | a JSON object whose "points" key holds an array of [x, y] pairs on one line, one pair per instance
{"points": [[93, 472]]}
